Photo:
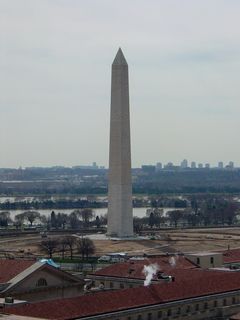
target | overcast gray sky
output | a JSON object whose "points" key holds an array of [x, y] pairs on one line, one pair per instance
{"points": [[55, 69]]}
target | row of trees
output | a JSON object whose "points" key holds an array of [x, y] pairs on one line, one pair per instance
{"points": [[206, 211], [67, 245], [37, 204], [188, 182], [81, 218], [91, 202], [200, 210]]}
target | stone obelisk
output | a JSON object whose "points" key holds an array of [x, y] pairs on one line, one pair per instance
{"points": [[120, 216]]}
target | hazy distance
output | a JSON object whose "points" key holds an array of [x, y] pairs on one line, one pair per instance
{"points": [[55, 60]]}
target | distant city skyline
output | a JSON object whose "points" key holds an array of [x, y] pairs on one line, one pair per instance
{"points": [[184, 59], [159, 165]]}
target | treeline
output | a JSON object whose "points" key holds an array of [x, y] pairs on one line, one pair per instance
{"points": [[77, 219], [162, 182], [194, 211], [201, 211], [138, 202], [52, 204], [50, 188], [192, 181], [66, 246]]}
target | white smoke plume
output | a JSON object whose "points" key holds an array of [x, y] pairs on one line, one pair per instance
{"points": [[149, 272], [172, 262]]}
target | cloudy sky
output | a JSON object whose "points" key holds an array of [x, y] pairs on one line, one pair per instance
{"points": [[55, 69]]}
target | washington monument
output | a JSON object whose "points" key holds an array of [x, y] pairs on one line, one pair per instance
{"points": [[120, 216]]}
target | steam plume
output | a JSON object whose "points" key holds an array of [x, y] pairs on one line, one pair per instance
{"points": [[149, 272], [172, 262]]}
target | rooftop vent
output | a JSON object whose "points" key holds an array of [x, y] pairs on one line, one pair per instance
{"points": [[9, 300], [130, 270], [101, 286], [159, 274]]}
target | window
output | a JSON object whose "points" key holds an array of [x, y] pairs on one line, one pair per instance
{"points": [[179, 310], [139, 317], [211, 260], [233, 300], [149, 316], [159, 314], [197, 307], [215, 304], [188, 309], [121, 285], [111, 285], [198, 261], [169, 313], [224, 302], [41, 282], [205, 305]]}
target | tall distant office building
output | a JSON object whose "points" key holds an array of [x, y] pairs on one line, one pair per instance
{"points": [[200, 166], [184, 164], [193, 165], [207, 165], [94, 165], [231, 164], [158, 166], [169, 165], [120, 216], [220, 165]]}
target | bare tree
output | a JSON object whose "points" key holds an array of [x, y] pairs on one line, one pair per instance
{"points": [[61, 220], [19, 220], [103, 219], [85, 247], [70, 242], [137, 225], [175, 216], [74, 219], [155, 216], [44, 220], [31, 216], [50, 246], [5, 218], [62, 245], [86, 215]]}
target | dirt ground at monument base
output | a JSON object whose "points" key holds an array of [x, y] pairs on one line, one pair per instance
{"points": [[187, 240], [175, 241]]}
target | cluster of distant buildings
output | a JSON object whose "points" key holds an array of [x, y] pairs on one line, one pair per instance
{"points": [[184, 165], [94, 166], [170, 165]]}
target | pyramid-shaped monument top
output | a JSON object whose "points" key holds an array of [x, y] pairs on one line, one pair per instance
{"points": [[119, 59]]}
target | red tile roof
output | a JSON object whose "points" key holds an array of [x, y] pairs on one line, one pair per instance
{"points": [[9, 268], [134, 269], [230, 256], [235, 317], [188, 284]]}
